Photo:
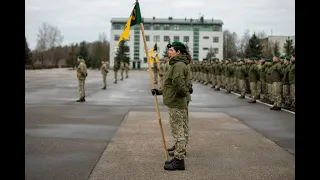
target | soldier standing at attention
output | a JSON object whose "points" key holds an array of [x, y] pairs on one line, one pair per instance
{"points": [[127, 68], [104, 72], [262, 78], [276, 71], [241, 78], [116, 68], [122, 68], [292, 77], [217, 72], [174, 93], [253, 73], [285, 82], [269, 90], [161, 72], [81, 75]]}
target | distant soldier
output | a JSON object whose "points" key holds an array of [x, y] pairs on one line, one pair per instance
{"points": [[262, 78], [253, 73], [292, 77], [277, 83], [81, 75], [104, 72], [116, 68], [268, 96], [285, 82], [241, 79], [217, 71], [127, 69], [227, 75]]}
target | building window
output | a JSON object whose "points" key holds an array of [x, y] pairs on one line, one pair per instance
{"points": [[205, 37], [215, 39], [147, 38], [215, 28], [175, 38], [116, 26], [166, 27], [176, 27], [156, 38], [156, 27], [145, 60], [166, 38], [116, 37], [216, 50], [185, 38], [205, 48], [147, 27]]}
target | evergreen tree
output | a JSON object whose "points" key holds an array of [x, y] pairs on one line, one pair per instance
{"points": [[27, 54], [122, 52], [83, 50], [288, 46], [276, 48], [254, 47]]}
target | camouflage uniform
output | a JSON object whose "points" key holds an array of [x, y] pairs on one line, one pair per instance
{"points": [[269, 91], [292, 73], [253, 73], [241, 71], [116, 68], [122, 68], [81, 75], [276, 71], [285, 83], [127, 69], [104, 72], [155, 72]]}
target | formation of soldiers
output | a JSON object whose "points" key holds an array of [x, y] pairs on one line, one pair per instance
{"points": [[272, 80], [82, 74]]}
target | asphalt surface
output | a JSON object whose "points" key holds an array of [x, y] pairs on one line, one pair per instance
{"points": [[64, 139]]}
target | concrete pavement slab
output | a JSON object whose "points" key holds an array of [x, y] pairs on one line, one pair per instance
{"points": [[220, 147]]}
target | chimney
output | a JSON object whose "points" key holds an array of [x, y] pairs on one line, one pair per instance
{"points": [[170, 18], [154, 18], [185, 19]]}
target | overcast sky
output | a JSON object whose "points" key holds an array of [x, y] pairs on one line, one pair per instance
{"points": [[84, 19]]}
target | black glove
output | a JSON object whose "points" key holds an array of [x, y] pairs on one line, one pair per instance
{"points": [[155, 91], [190, 90]]}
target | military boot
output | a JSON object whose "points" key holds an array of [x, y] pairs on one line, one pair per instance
{"points": [[121, 79], [81, 100], [104, 88], [241, 97], [175, 164], [115, 82], [276, 108], [252, 101], [217, 89], [127, 77], [213, 87]]}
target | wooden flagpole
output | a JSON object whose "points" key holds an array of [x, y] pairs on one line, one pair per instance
{"points": [[153, 87]]}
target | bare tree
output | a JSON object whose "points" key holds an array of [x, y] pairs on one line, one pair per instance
{"points": [[49, 37], [210, 54], [261, 35], [244, 41], [276, 47], [229, 44]]}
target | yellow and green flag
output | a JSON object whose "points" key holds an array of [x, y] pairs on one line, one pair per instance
{"points": [[135, 18]]}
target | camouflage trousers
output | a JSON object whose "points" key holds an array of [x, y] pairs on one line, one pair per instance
{"points": [[104, 79], [253, 90], [227, 83], [121, 73], [178, 119], [223, 81], [218, 77], [161, 82], [293, 95], [235, 84], [242, 87], [155, 77], [127, 71], [201, 77], [213, 80], [198, 76], [259, 88], [277, 93], [269, 93], [206, 77], [115, 75], [286, 94], [82, 91]]}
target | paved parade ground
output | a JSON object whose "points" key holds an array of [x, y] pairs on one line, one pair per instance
{"points": [[115, 134]]}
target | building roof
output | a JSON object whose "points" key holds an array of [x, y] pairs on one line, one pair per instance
{"points": [[171, 20]]}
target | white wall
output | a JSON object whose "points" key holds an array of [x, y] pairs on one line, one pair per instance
{"points": [[207, 43]]}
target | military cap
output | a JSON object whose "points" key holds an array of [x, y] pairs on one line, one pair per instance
{"points": [[277, 54], [282, 57], [294, 54], [288, 58], [269, 60], [241, 60], [80, 57], [177, 43]]}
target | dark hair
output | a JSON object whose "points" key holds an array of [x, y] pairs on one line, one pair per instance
{"points": [[182, 51]]}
